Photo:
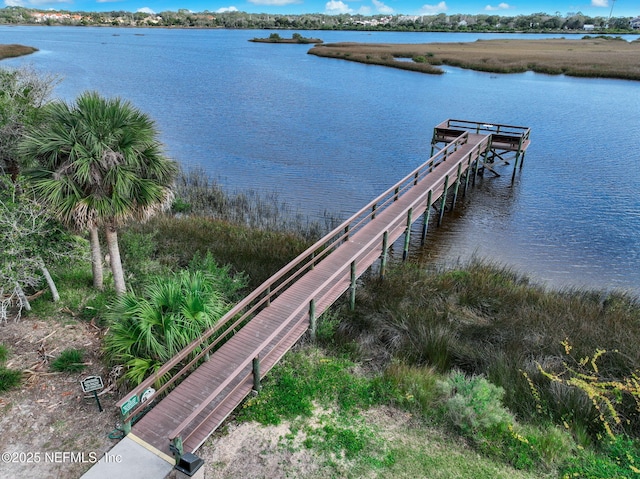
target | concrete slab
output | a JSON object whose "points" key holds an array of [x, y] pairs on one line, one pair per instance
{"points": [[131, 457]]}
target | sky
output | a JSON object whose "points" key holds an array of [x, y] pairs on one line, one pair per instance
{"points": [[600, 8]]}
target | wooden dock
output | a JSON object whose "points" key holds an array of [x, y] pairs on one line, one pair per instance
{"points": [[210, 378]]}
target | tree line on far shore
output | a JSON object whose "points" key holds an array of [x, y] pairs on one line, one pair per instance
{"points": [[183, 18]]}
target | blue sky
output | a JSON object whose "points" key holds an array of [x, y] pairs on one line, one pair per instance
{"points": [[621, 8]]}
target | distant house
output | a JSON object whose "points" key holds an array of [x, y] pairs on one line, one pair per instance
{"points": [[588, 27], [635, 23]]}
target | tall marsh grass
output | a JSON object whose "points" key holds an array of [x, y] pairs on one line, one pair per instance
{"points": [[589, 57], [488, 320], [200, 195]]}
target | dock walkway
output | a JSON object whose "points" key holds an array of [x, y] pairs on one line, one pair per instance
{"points": [[219, 370]]}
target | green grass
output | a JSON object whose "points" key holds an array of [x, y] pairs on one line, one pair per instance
{"points": [[9, 378], [70, 361], [308, 378], [4, 353]]}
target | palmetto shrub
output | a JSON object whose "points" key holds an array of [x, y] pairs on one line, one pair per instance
{"points": [[147, 330]]}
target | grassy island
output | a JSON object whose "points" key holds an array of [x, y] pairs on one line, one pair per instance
{"points": [[601, 57], [295, 38], [10, 51]]}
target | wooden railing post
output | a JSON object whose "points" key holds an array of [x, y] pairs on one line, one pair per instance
{"points": [[176, 448], [443, 203], [407, 235], [373, 211], [312, 320], [466, 174], [457, 187], [352, 299], [126, 424], [383, 257], [515, 167], [256, 374], [396, 191], [425, 218], [415, 178], [268, 293]]}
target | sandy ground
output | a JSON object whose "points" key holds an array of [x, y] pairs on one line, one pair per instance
{"points": [[51, 429]]}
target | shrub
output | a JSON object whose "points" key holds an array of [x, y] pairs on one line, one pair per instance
{"points": [[9, 378], [147, 330], [474, 405], [4, 353], [70, 361]]}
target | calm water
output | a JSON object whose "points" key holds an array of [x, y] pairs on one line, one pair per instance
{"points": [[331, 135]]}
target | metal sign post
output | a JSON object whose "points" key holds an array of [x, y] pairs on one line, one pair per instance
{"points": [[93, 384]]}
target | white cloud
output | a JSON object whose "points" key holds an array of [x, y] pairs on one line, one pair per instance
{"points": [[599, 3], [13, 3], [274, 3], [364, 10], [439, 8], [381, 7], [226, 9], [146, 10], [502, 6], [336, 7]]}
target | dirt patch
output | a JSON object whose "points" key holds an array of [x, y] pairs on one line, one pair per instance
{"points": [[257, 451], [49, 428]]}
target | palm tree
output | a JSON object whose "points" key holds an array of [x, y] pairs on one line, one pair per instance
{"points": [[101, 165]]}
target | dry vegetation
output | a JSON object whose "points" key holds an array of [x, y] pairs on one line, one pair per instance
{"points": [[10, 51], [588, 57]]}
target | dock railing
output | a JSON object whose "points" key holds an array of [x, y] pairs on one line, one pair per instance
{"points": [[186, 360]]}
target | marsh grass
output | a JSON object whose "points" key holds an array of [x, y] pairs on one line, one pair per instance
{"points": [[589, 57], [14, 50], [198, 194], [487, 320], [254, 233]]}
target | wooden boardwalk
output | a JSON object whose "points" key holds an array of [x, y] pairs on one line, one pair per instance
{"points": [[210, 378]]}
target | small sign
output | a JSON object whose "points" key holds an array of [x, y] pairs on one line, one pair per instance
{"points": [[131, 403], [147, 394], [91, 383]]}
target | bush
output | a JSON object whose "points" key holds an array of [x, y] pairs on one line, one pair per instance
{"points": [[9, 378], [70, 361], [147, 330], [474, 405]]}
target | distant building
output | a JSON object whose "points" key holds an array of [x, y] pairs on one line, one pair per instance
{"points": [[589, 27], [635, 23]]}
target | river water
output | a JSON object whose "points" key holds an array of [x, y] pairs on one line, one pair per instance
{"points": [[329, 135]]}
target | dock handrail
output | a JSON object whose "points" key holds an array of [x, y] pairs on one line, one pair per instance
{"points": [[271, 288], [522, 132], [341, 272]]}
